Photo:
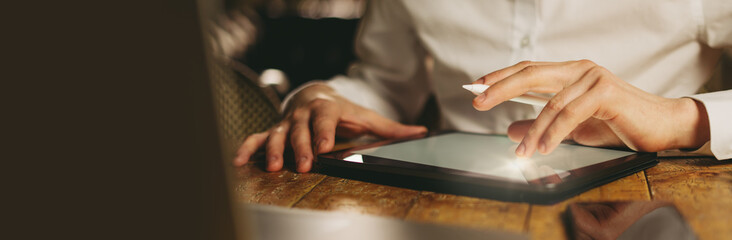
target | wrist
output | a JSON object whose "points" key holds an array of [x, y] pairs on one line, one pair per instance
{"points": [[692, 126], [301, 94]]}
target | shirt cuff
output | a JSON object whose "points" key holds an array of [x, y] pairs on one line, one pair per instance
{"points": [[288, 98], [704, 151], [718, 105], [354, 91]]}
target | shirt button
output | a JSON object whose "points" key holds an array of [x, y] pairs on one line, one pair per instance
{"points": [[525, 42]]}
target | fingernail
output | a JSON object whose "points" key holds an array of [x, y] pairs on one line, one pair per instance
{"points": [[481, 97], [270, 163], [302, 160], [542, 147], [520, 150], [304, 166], [272, 158], [239, 161], [301, 164], [422, 129]]}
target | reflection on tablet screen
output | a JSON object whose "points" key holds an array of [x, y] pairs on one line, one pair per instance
{"points": [[491, 155]]}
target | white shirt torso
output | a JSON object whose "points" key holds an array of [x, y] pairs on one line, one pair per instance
{"points": [[667, 48]]}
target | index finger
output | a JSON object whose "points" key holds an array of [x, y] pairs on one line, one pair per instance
{"points": [[547, 78], [498, 75]]}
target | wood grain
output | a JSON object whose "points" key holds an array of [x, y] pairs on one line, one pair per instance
{"points": [[469, 212], [545, 222], [688, 164], [700, 187], [702, 191], [344, 195], [283, 188]]}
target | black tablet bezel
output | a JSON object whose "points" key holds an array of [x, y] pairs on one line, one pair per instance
{"points": [[438, 179]]}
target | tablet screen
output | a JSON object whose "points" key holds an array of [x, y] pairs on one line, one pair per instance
{"points": [[490, 155]]}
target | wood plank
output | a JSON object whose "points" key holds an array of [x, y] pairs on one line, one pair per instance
{"points": [[345, 195], [284, 188], [701, 188], [469, 212], [688, 164], [545, 220]]}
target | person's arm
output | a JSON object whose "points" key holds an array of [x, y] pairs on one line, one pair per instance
{"points": [[593, 107], [386, 84]]}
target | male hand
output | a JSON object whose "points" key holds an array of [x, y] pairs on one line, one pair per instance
{"points": [[314, 117], [594, 107]]}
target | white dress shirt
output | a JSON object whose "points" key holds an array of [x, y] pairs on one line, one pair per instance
{"points": [[667, 48]]}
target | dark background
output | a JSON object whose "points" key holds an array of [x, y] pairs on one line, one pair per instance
{"points": [[106, 121], [305, 49], [107, 117], [299, 37]]}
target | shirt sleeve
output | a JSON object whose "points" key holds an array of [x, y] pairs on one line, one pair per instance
{"points": [[715, 20], [718, 106], [389, 76]]}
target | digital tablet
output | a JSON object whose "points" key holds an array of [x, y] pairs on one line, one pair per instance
{"points": [[482, 165]]}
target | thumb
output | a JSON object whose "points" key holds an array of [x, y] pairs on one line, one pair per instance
{"points": [[518, 129], [387, 128]]}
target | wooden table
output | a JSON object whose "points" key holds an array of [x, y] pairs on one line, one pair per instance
{"points": [[700, 187]]}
